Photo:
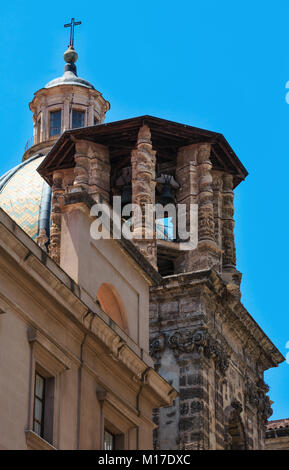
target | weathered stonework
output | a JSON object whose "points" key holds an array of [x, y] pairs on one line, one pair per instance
{"points": [[222, 396], [228, 242], [92, 170], [194, 173], [203, 340], [143, 163], [57, 202]]}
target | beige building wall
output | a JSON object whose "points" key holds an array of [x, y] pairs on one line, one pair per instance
{"points": [[102, 378], [106, 263]]}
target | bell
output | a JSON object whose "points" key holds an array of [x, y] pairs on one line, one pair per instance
{"points": [[166, 196], [126, 195]]}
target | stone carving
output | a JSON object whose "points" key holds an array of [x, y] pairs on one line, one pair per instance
{"points": [[187, 341], [92, 169], [143, 161], [228, 241], [217, 203], [206, 210], [255, 395], [196, 406], [237, 405], [157, 345], [55, 229], [81, 172], [184, 408]]}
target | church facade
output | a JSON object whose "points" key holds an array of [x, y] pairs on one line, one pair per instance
{"points": [[124, 343]]}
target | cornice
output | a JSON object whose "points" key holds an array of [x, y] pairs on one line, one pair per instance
{"points": [[226, 306]]}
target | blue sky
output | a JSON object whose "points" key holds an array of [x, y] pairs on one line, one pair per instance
{"points": [[218, 65]]}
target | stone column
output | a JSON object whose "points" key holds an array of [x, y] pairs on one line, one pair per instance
{"points": [[143, 161], [206, 210], [217, 203], [55, 229], [81, 182], [228, 240], [194, 173], [186, 175], [90, 175], [92, 170]]}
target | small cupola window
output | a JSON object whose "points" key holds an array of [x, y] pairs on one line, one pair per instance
{"points": [[55, 123], [77, 118]]}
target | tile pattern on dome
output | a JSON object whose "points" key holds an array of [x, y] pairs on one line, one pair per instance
{"points": [[21, 197]]}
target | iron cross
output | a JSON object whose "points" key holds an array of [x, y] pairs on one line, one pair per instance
{"points": [[71, 26]]}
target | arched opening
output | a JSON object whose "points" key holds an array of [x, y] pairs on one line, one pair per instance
{"points": [[236, 439], [112, 304]]}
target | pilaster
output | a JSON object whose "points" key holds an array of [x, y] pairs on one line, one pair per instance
{"points": [[92, 170], [194, 173]]}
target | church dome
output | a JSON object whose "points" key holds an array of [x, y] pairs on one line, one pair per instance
{"points": [[24, 194], [70, 72], [26, 197], [69, 78]]}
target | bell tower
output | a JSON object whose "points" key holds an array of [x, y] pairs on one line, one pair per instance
{"points": [[67, 102]]}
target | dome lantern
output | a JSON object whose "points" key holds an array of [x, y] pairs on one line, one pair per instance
{"points": [[66, 102]]}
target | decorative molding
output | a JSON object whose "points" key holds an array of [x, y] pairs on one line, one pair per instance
{"points": [[237, 318], [157, 345], [256, 397], [188, 341]]}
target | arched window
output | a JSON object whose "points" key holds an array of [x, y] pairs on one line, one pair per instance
{"points": [[112, 304], [235, 434]]}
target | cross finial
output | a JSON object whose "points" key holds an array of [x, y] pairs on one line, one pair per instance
{"points": [[71, 26]]}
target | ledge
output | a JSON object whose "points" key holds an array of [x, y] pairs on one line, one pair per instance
{"points": [[35, 442], [176, 283]]}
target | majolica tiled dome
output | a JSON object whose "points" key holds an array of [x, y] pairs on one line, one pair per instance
{"points": [[26, 197]]}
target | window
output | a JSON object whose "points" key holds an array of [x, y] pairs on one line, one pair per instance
{"points": [[55, 123], [95, 121], [77, 118], [109, 440], [43, 406], [39, 405]]}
